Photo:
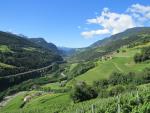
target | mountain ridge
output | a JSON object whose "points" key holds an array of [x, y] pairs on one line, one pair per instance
{"points": [[127, 33], [47, 45], [106, 45]]}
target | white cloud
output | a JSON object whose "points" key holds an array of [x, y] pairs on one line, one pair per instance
{"points": [[139, 12], [113, 23], [139, 9], [90, 34]]}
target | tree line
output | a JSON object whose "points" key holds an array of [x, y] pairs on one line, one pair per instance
{"points": [[143, 56]]}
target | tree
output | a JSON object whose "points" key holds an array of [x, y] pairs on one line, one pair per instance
{"points": [[117, 78], [143, 56], [82, 92], [103, 83], [137, 58], [118, 51]]}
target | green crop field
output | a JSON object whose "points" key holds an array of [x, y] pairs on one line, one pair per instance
{"points": [[122, 62]]}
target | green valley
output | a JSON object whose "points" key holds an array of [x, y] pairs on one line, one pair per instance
{"points": [[74, 56], [113, 81]]}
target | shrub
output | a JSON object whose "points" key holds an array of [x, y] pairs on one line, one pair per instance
{"points": [[146, 75], [116, 90], [123, 51], [131, 87], [117, 51], [143, 56], [103, 93], [138, 58], [126, 108], [117, 78], [103, 83], [2, 95], [82, 92]]}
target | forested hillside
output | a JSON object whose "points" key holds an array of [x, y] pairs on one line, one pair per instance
{"points": [[41, 42], [18, 54]]}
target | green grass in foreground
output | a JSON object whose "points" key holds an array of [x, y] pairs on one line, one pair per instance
{"points": [[44, 103], [14, 104], [61, 103]]}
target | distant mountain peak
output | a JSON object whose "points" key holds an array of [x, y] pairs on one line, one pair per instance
{"points": [[42, 42]]}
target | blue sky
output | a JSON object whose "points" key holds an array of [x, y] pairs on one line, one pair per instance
{"points": [[71, 23]]}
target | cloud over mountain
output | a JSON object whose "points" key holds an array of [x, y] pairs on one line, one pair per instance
{"points": [[112, 22]]}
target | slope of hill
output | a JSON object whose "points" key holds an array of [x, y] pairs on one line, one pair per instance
{"points": [[23, 54], [41, 42], [129, 33], [114, 62], [107, 45]]}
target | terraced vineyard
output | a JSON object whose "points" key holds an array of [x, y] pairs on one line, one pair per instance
{"points": [[130, 102]]}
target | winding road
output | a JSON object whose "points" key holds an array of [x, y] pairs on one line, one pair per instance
{"points": [[34, 70]]}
